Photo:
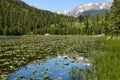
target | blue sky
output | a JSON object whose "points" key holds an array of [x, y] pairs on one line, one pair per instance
{"points": [[53, 5]]}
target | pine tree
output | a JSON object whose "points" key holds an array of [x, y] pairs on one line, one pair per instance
{"points": [[115, 17]]}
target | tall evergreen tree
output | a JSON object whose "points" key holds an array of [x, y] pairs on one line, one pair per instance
{"points": [[115, 17]]}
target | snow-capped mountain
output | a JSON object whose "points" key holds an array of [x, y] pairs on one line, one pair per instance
{"points": [[90, 8]]}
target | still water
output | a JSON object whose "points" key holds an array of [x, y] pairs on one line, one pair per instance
{"points": [[49, 69], [6, 38]]}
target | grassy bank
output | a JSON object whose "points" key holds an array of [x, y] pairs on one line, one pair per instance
{"points": [[105, 57]]}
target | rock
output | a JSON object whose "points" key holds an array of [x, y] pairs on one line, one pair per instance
{"points": [[47, 34]]}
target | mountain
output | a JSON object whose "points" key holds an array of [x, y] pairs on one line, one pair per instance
{"points": [[90, 8], [18, 18]]}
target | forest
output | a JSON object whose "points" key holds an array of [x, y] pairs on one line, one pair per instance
{"points": [[18, 18]]}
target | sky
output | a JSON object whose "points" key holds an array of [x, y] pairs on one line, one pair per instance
{"points": [[54, 5]]}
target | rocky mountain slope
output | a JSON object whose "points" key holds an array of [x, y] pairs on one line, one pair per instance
{"points": [[90, 8]]}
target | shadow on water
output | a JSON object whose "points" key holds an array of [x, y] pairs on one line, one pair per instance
{"points": [[50, 69]]}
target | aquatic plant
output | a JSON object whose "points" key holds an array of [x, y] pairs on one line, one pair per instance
{"points": [[15, 54]]}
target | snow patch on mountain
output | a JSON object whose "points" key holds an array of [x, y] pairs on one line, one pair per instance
{"points": [[89, 8]]}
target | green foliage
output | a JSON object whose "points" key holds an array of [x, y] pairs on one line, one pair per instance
{"points": [[19, 52], [102, 53], [115, 18], [30, 20], [105, 59], [17, 16]]}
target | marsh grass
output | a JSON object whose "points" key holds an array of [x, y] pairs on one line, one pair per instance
{"points": [[105, 59]]}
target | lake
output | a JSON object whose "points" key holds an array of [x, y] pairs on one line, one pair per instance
{"points": [[6, 38], [50, 69]]}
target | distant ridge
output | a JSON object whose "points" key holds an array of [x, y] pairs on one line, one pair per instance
{"points": [[90, 8]]}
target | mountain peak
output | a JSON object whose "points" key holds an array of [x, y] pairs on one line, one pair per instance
{"points": [[105, 5], [91, 4], [89, 8]]}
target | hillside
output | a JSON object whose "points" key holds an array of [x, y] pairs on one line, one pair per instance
{"points": [[18, 18]]}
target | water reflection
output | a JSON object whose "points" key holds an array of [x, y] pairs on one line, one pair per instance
{"points": [[50, 69]]}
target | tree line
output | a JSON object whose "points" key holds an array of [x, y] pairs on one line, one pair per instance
{"points": [[18, 18]]}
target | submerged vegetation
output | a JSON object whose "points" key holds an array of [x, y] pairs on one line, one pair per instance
{"points": [[102, 53], [15, 53]]}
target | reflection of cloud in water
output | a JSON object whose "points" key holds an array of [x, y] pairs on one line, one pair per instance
{"points": [[54, 68]]}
